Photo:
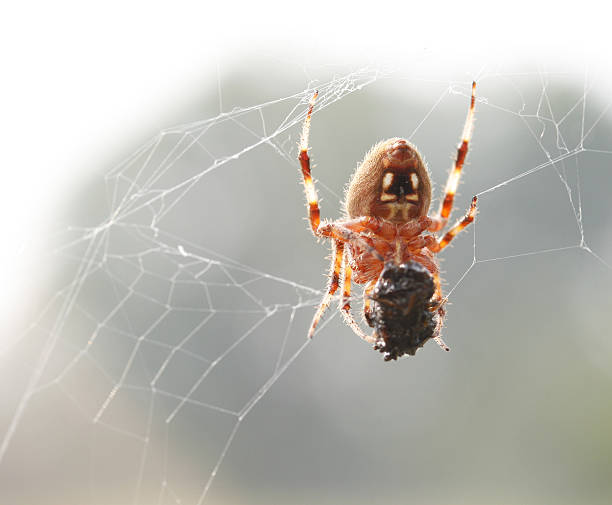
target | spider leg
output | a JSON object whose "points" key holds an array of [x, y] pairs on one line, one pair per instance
{"points": [[338, 231], [415, 227], [453, 178], [334, 280], [330, 230], [314, 214], [439, 308], [450, 235], [345, 305], [367, 302], [374, 225], [441, 342]]}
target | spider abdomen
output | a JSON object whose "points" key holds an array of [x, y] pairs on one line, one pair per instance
{"points": [[401, 309]]}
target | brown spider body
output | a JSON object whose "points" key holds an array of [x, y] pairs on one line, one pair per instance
{"points": [[388, 242], [391, 183]]}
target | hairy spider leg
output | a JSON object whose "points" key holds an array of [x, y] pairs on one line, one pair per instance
{"points": [[330, 230], [334, 281], [439, 308], [372, 224], [338, 231], [314, 214], [460, 225], [367, 300], [345, 305], [453, 178], [415, 227], [438, 338]]}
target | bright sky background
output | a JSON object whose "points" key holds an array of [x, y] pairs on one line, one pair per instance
{"points": [[78, 76]]}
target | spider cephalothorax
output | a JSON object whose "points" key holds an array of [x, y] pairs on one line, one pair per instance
{"points": [[388, 242]]}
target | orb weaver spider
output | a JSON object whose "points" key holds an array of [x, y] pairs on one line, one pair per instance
{"points": [[388, 242]]}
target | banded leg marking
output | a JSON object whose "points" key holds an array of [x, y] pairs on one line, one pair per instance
{"points": [[314, 213], [334, 281], [469, 217], [453, 178], [345, 305]]}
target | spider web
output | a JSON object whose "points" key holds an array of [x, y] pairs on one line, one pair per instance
{"points": [[171, 318]]}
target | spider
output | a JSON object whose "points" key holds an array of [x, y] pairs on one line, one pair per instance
{"points": [[387, 242]]}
